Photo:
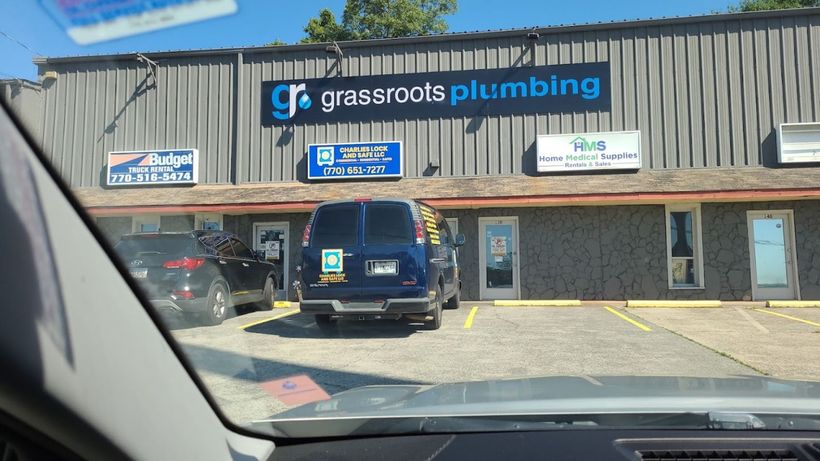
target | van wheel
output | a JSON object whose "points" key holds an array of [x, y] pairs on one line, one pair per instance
{"points": [[324, 319], [435, 324], [218, 304], [455, 301], [325, 322], [268, 294]]}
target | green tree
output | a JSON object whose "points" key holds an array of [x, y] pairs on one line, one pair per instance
{"points": [[363, 19], [276, 42], [759, 5]]}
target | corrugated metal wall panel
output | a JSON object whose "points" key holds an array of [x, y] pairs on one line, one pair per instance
{"points": [[25, 99], [705, 94]]}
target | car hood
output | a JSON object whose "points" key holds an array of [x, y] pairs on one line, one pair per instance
{"points": [[565, 395]]}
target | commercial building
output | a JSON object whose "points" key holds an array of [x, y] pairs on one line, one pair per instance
{"points": [[655, 159]]}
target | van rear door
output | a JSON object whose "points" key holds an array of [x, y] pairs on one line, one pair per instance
{"points": [[332, 261], [394, 265]]}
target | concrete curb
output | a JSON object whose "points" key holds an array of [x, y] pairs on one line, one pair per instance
{"points": [[792, 303], [676, 303], [538, 303], [281, 304]]}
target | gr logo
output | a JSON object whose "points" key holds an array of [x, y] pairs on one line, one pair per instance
{"points": [[332, 260], [324, 156], [285, 98]]}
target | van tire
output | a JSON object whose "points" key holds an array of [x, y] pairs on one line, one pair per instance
{"points": [[323, 319], [455, 301], [435, 324]]}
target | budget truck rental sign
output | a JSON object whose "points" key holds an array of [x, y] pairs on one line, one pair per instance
{"points": [[152, 167], [616, 150]]}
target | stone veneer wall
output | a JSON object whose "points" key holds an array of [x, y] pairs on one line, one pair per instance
{"points": [[619, 252], [613, 252]]}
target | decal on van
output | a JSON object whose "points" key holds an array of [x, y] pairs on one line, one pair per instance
{"points": [[333, 260]]}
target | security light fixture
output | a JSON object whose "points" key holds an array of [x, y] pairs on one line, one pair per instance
{"points": [[532, 37], [152, 65], [334, 48]]}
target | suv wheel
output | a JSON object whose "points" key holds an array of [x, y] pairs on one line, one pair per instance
{"points": [[218, 302], [455, 301], [268, 295], [435, 324]]}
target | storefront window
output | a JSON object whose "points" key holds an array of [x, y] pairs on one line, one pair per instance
{"points": [[683, 246], [208, 221], [145, 223]]}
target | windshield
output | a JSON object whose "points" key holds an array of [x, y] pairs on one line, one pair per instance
{"points": [[362, 213]]}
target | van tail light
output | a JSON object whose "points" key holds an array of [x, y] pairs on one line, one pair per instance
{"points": [[184, 294], [419, 232], [186, 263], [306, 236]]}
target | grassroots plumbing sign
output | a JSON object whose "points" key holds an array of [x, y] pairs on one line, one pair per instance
{"points": [[561, 88], [144, 167], [616, 150]]}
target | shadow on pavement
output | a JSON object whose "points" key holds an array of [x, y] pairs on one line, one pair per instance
{"points": [[256, 370], [179, 321], [303, 326]]}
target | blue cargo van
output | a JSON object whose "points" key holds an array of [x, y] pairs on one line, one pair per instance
{"points": [[382, 258]]}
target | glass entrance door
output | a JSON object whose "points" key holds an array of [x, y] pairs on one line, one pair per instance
{"points": [[498, 258], [273, 240], [772, 253]]}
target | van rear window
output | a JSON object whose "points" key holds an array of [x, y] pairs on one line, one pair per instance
{"points": [[336, 225], [387, 224]]}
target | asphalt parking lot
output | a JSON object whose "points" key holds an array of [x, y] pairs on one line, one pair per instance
{"points": [[481, 341]]}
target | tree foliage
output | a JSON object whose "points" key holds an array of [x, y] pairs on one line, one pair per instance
{"points": [[760, 5], [364, 19], [276, 42]]}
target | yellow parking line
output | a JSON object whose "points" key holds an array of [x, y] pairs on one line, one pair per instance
{"points": [[807, 322], [536, 303], [469, 322], [633, 322], [275, 317]]}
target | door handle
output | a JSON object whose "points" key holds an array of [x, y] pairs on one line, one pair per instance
{"points": [[437, 260], [246, 265], [222, 261]]}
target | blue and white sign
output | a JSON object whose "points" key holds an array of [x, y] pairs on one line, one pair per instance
{"points": [[94, 21], [356, 160], [146, 167]]}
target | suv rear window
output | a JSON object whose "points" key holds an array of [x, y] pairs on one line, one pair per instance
{"points": [[387, 223], [160, 245], [336, 225]]}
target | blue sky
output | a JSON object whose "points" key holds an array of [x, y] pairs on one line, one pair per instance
{"points": [[260, 21]]}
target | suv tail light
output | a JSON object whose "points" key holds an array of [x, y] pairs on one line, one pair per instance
{"points": [[419, 232], [306, 236], [184, 294], [186, 263]]}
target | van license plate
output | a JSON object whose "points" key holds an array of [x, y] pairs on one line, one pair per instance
{"points": [[384, 267], [139, 273]]}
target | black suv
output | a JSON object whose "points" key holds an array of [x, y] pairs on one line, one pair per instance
{"points": [[198, 273]]}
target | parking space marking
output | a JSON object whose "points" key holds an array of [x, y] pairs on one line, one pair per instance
{"points": [[807, 322], [469, 322], [633, 322], [749, 319], [269, 319]]}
